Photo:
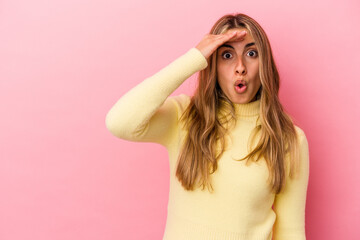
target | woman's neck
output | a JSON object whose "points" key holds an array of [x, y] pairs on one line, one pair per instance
{"points": [[247, 109]]}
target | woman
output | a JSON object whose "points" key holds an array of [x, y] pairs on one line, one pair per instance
{"points": [[234, 115]]}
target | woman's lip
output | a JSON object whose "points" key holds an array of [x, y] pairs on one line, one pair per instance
{"points": [[237, 82], [240, 90]]}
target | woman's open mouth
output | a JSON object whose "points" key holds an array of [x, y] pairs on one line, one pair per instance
{"points": [[240, 86]]}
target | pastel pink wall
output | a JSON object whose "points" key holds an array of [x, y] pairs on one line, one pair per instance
{"points": [[63, 64]]}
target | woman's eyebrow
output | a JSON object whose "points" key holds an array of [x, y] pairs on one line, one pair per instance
{"points": [[229, 46]]}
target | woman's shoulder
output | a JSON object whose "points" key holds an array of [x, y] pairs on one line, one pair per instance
{"points": [[181, 102], [299, 130], [300, 133]]}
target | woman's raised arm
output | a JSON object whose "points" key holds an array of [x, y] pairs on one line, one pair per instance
{"points": [[143, 114]]}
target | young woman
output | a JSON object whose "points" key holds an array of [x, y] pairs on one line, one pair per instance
{"points": [[239, 167]]}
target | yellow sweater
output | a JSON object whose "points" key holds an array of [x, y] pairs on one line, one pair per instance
{"points": [[242, 207]]}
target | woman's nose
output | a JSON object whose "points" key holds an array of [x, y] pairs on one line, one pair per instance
{"points": [[240, 67]]}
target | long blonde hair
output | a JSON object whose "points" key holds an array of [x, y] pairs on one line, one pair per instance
{"points": [[205, 140]]}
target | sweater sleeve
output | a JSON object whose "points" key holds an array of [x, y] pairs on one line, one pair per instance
{"points": [[145, 113], [289, 205]]}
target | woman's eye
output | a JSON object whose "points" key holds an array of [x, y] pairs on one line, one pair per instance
{"points": [[226, 55], [253, 53]]}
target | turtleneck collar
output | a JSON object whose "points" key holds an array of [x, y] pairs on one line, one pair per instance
{"points": [[247, 109], [242, 110]]}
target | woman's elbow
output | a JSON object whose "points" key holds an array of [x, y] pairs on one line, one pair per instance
{"points": [[114, 126]]}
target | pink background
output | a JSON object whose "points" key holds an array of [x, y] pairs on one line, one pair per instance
{"points": [[63, 64]]}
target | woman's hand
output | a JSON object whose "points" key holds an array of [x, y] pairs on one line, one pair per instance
{"points": [[211, 42]]}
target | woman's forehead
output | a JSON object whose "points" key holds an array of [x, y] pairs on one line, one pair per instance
{"points": [[247, 42]]}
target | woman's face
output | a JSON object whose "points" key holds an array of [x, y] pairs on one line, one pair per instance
{"points": [[238, 69]]}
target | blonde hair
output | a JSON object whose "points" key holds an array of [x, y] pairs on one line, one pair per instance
{"points": [[205, 140]]}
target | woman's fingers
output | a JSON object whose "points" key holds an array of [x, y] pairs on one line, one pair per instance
{"points": [[211, 42], [236, 35]]}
